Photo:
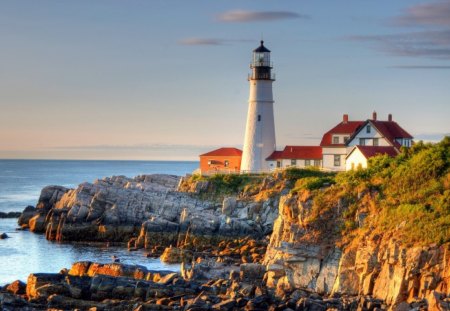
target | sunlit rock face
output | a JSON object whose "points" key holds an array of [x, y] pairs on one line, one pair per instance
{"points": [[147, 211], [379, 266]]}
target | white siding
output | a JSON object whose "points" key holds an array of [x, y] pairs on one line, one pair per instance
{"points": [[328, 158], [368, 137], [285, 163], [355, 159], [340, 138]]}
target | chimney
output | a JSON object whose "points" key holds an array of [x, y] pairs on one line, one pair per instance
{"points": [[345, 118], [390, 117], [374, 116]]}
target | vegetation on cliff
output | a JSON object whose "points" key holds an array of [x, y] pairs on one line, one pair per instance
{"points": [[408, 194]]}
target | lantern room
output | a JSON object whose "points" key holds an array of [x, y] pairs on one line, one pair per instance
{"points": [[260, 65]]}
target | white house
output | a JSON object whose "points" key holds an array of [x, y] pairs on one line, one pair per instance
{"points": [[334, 144], [296, 156], [380, 133], [359, 155]]}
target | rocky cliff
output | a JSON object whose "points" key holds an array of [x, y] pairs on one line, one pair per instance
{"points": [[305, 254], [382, 232], [146, 211]]}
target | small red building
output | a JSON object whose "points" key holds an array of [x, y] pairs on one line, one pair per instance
{"points": [[222, 160]]}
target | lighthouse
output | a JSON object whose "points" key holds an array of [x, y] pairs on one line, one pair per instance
{"points": [[259, 141]]}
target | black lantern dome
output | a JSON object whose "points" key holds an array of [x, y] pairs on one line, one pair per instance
{"points": [[261, 66]]}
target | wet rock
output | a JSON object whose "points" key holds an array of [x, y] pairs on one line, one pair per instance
{"points": [[176, 255], [36, 282], [225, 305], [252, 272], [17, 288], [10, 215], [3, 236]]}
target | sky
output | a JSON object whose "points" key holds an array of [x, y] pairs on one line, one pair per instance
{"points": [[167, 80]]}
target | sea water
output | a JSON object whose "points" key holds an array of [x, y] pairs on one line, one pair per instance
{"points": [[20, 184]]}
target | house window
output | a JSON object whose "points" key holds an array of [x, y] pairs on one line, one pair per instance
{"points": [[259, 117], [294, 162], [337, 160], [226, 163], [368, 129], [209, 162], [346, 139], [317, 163], [307, 162], [278, 164], [335, 139], [375, 142], [362, 142]]}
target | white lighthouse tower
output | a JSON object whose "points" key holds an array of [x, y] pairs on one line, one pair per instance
{"points": [[259, 142]]}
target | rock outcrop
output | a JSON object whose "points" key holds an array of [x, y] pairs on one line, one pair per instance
{"points": [[300, 256], [146, 211]]}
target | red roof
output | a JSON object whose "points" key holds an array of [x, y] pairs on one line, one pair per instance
{"points": [[371, 151], [391, 130], [224, 152], [348, 128], [275, 156], [298, 152]]}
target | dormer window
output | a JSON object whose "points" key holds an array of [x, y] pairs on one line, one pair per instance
{"points": [[368, 129], [335, 139]]}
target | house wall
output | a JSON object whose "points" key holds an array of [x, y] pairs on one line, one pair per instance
{"points": [[340, 137], [300, 163], [328, 158], [355, 159], [218, 164], [406, 142], [368, 137]]}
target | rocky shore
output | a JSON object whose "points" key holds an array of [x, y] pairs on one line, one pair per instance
{"points": [[263, 247], [204, 285], [10, 215]]}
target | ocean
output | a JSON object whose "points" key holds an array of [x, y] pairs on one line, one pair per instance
{"points": [[20, 184]]}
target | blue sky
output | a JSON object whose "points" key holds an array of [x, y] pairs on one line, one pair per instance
{"points": [[167, 79]]}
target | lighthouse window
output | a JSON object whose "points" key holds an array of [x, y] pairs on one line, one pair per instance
{"points": [[259, 117]]}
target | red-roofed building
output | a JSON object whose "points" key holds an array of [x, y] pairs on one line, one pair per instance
{"points": [[381, 133], [296, 156], [341, 140], [222, 160], [334, 143], [358, 156], [347, 145]]}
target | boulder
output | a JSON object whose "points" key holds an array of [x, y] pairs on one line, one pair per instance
{"points": [[17, 287], [3, 236], [28, 213], [228, 205], [175, 255]]}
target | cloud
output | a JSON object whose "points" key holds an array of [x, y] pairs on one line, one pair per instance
{"points": [[420, 67], [430, 14], [431, 44], [242, 16], [431, 40], [200, 41], [209, 41]]}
